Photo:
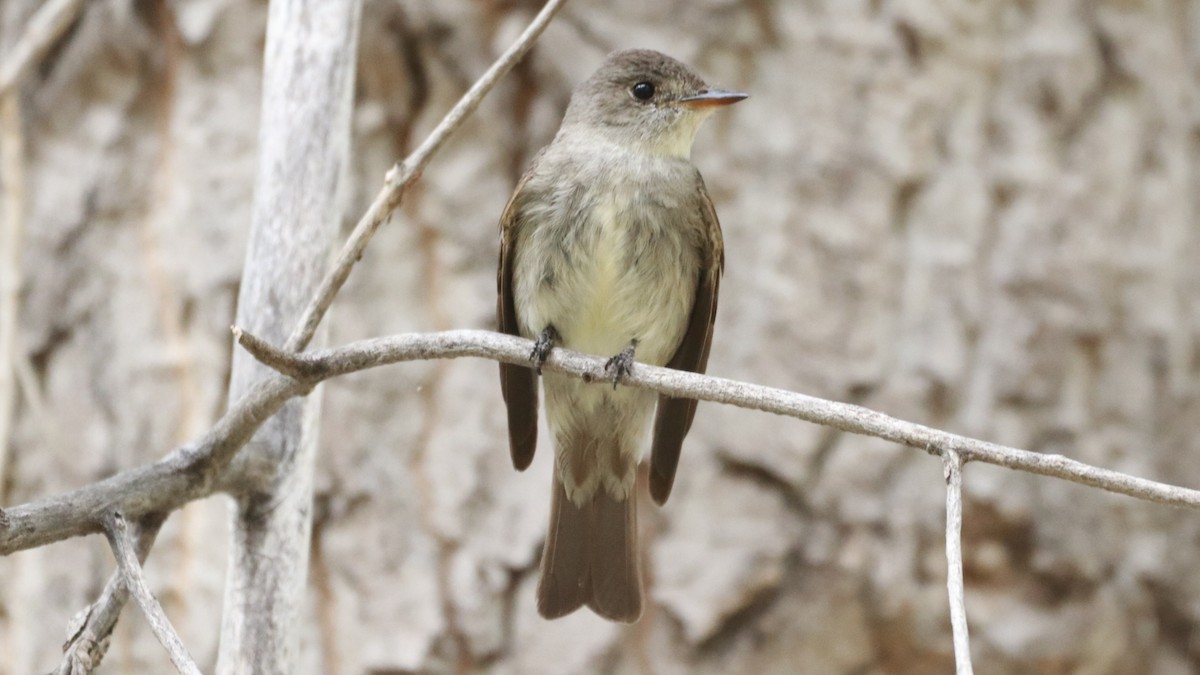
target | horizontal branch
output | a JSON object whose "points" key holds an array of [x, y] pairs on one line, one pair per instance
{"points": [[191, 472], [187, 473], [322, 364]]}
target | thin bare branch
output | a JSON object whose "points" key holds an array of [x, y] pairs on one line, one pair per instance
{"points": [[403, 174], [123, 547], [189, 472], [846, 417], [88, 641], [952, 466], [273, 357], [44, 28]]}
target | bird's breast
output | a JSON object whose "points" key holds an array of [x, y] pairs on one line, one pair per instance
{"points": [[613, 265]]}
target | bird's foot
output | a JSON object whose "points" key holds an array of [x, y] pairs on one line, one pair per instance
{"points": [[622, 364], [542, 347]]}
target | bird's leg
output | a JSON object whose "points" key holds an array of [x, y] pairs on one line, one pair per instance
{"points": [[621, 364], [542, 346]]}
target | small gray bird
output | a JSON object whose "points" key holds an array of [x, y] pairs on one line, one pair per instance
{"points": [[610, 245]]}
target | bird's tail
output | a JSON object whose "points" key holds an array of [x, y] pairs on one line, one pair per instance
{"points": [[591, 557]]}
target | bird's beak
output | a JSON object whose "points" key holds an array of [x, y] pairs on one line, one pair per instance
{"points": [[712, 98]]}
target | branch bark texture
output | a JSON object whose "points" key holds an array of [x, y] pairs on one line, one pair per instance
{"points": [[124, 546], [952, 468], [88, 640], [304, 144], [321, 364]]}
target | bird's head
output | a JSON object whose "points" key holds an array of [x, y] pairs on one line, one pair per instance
{"points": [[645, 101]]}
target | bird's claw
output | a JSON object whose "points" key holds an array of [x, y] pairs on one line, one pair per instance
{"points": [[621, 364], [542, 348]]}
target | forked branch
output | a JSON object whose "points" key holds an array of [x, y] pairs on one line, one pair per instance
{"points": [[123, 546]]}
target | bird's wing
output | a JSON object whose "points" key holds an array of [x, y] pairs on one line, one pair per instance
{"points": [[517, 383], [674, 417]]}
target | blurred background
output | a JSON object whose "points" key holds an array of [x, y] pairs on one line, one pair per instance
{"points": [[978, 216]]}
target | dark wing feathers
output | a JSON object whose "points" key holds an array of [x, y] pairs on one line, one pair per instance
{"points": [[517, 383], [674, 416]]}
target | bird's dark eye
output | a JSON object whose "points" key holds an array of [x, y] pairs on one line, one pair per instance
{"points": [[643, 91]]}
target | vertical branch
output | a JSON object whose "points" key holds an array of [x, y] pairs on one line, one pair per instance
{"points": [[954, 567], [123, 547], [304, 143]]}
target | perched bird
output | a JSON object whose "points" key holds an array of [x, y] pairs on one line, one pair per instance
{"points": [[610, 245]]}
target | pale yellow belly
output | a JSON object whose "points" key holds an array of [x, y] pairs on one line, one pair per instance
{"points": [[607, 296]]}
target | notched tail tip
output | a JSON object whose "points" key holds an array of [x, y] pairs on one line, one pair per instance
{"points": [[628, 614], [550, 612]]}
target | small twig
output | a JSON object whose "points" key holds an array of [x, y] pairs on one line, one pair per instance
{"points": [[952, 466], [131, 571], [287, 363], [88, 640], [402, 174], [44, 28]]}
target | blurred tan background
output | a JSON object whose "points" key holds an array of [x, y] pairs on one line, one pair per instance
{"points": [[979, 216]]}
